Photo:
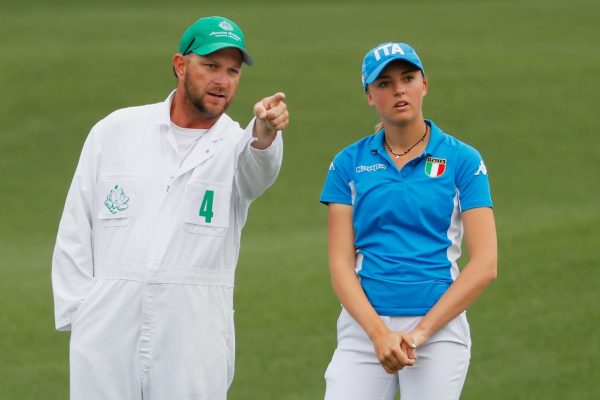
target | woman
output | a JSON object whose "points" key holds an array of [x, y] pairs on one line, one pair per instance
{"points": [[399, 201]]}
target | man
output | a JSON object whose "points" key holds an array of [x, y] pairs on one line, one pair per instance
{"points": [[144, 262]]}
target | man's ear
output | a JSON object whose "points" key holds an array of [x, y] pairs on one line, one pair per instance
{"points": [[179, 65]]}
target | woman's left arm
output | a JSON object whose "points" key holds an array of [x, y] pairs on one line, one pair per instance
{"points": [[480, 271]]}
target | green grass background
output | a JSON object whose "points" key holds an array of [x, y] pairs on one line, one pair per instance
{"points": [[516, 79]]}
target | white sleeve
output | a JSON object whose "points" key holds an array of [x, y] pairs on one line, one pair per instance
{"points": [[257, 169], [72, 261]]}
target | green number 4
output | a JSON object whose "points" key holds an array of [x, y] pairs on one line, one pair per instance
{"points": [[206, 208]]}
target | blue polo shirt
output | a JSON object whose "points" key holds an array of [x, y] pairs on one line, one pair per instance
{"points": [[407, 223]]}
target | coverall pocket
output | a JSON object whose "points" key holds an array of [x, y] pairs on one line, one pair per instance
{"points": [[204, 230], [84, 305], [206, 208], [224, 300], [115, 199]]}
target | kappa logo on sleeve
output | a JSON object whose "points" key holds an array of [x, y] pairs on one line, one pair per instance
{"points": [[116, 200], [331, 167], [481, 170]]}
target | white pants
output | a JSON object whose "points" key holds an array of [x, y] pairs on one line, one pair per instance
{"points": [[355, 373], [152, 341]]}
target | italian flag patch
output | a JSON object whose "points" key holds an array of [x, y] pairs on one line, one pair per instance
{"points": [[435, 167]]}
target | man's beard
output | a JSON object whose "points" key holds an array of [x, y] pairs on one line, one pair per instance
{"points": [[198, 103]]}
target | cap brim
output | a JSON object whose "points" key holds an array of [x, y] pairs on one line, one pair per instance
{"points": [[375, 73], [211, 48]]}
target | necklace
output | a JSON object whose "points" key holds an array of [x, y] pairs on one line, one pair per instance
{"points": [[398, 155]]}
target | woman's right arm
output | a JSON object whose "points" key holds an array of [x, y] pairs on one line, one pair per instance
{"points": [[390, 347]]}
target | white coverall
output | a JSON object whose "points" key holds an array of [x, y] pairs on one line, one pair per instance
{"points": [[143, 267]]}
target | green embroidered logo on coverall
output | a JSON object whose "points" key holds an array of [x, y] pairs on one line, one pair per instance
{"points": [[116, 200]]}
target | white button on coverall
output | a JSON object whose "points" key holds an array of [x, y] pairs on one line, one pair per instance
{"points": [[143, 267]]}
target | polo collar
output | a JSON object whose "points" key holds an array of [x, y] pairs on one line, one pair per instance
{"points": [[376, 145], [435, 139]]}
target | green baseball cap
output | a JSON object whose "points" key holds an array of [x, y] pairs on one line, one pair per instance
{"points": [[210, 34]]}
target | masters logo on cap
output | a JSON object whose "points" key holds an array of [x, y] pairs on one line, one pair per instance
{"points": [[381, 55], [226, 25], [210, 34]]}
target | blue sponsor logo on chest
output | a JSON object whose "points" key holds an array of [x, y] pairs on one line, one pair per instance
{"points": [[370, 168]]}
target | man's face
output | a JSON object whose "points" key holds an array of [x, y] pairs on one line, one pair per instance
{"points": [[210, 82]]}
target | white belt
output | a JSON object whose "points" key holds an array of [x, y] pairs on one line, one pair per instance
{"points": [[217, 276]]}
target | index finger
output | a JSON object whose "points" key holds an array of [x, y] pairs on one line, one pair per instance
{"points": [[272, 101]]}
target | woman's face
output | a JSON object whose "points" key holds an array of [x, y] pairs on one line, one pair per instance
{"points": [[398, 93]]}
